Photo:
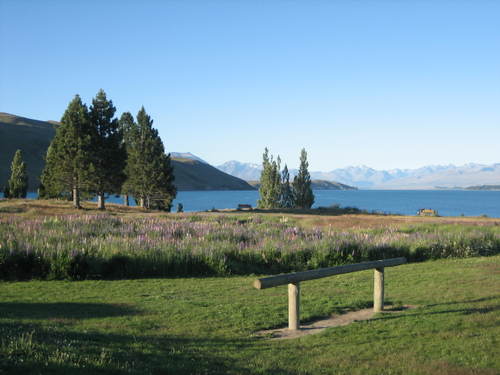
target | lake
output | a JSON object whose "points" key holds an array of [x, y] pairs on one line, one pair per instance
{"points": [[406, 202]]}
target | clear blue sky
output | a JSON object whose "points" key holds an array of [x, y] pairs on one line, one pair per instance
{"points": [[382, 83]]}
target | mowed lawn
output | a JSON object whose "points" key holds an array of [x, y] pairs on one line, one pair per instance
{"points": [[208, 325]]}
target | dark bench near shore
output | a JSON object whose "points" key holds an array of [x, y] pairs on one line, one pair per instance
{"points": [[243, 207]]}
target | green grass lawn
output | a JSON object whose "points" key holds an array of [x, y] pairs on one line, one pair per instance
{"points": [[208, 325]]}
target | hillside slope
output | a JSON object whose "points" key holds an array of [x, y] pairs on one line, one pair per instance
{"points": [[33, 138], [194, 175]]}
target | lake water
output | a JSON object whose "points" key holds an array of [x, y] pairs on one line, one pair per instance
{"points": [[407, 202]]}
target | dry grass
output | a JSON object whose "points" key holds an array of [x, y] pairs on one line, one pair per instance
{"points": [[55, 207], [307, 219], [382, 221]]}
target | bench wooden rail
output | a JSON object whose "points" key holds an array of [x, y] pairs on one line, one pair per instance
{"points": [[293, 280]]}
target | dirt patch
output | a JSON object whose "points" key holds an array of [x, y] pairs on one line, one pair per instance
{"points": [[334, 321]]}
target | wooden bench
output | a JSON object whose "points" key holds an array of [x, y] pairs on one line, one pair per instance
{"points": [[242, 207], [293, 280]]}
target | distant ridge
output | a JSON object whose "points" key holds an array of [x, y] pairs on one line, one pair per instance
{"points": [[483, 187], [33, 138], [187, 155]]}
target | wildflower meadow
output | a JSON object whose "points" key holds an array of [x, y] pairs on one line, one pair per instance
{"points": [[94, 246]]}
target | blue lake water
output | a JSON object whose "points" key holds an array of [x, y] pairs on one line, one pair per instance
{"points": [[407, 202]]}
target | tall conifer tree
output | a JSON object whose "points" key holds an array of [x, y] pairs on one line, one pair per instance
{"points": [[286, 197], [17, 186], [129, 131], [149, 172], [302, 191], [69, 162], [108, 151], [270, 182]]}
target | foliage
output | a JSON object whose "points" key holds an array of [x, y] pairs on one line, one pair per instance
{"points": [[69, 161], [302, 191], [17, 186], [105, 246], [148, 169]]}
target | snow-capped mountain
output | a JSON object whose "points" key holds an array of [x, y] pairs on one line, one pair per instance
{"points": [[246, 171], [432, 176]]}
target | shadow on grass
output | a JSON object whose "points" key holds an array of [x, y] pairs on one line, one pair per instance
{"points": [[22, 310], [339, 310], [464, 311], [33, 349], [47, 345], [467, 301]]}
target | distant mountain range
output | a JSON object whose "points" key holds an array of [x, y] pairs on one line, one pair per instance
{"points": [[316, 185], [428, 177], [33, 138], [193, 173]]}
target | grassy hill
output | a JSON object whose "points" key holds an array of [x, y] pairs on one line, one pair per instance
{"points": [[318, 185], [194, 175], [33, 138]]}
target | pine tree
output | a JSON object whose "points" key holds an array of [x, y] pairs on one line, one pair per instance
{"points": [[127, 127], [302, 191], [107, 149], [286, 197], [129, 131], [69, 162], [149, 172], [270, 182], [17, 186]]}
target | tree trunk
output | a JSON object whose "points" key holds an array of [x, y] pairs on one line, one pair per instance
{"points": [[125, 200], [76, 197], [100, 201], [142, 202]]}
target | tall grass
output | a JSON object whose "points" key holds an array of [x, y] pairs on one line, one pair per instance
{"points": [[104, 246]]}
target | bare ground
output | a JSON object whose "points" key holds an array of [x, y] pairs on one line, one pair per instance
{"points": [[320, 325]]}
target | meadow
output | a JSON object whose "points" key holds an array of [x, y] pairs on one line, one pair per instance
{"points": [[93, 245], [172, 293]]}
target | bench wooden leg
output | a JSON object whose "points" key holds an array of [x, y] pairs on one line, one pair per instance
{"points": [[378, 290], [294, 306]]}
